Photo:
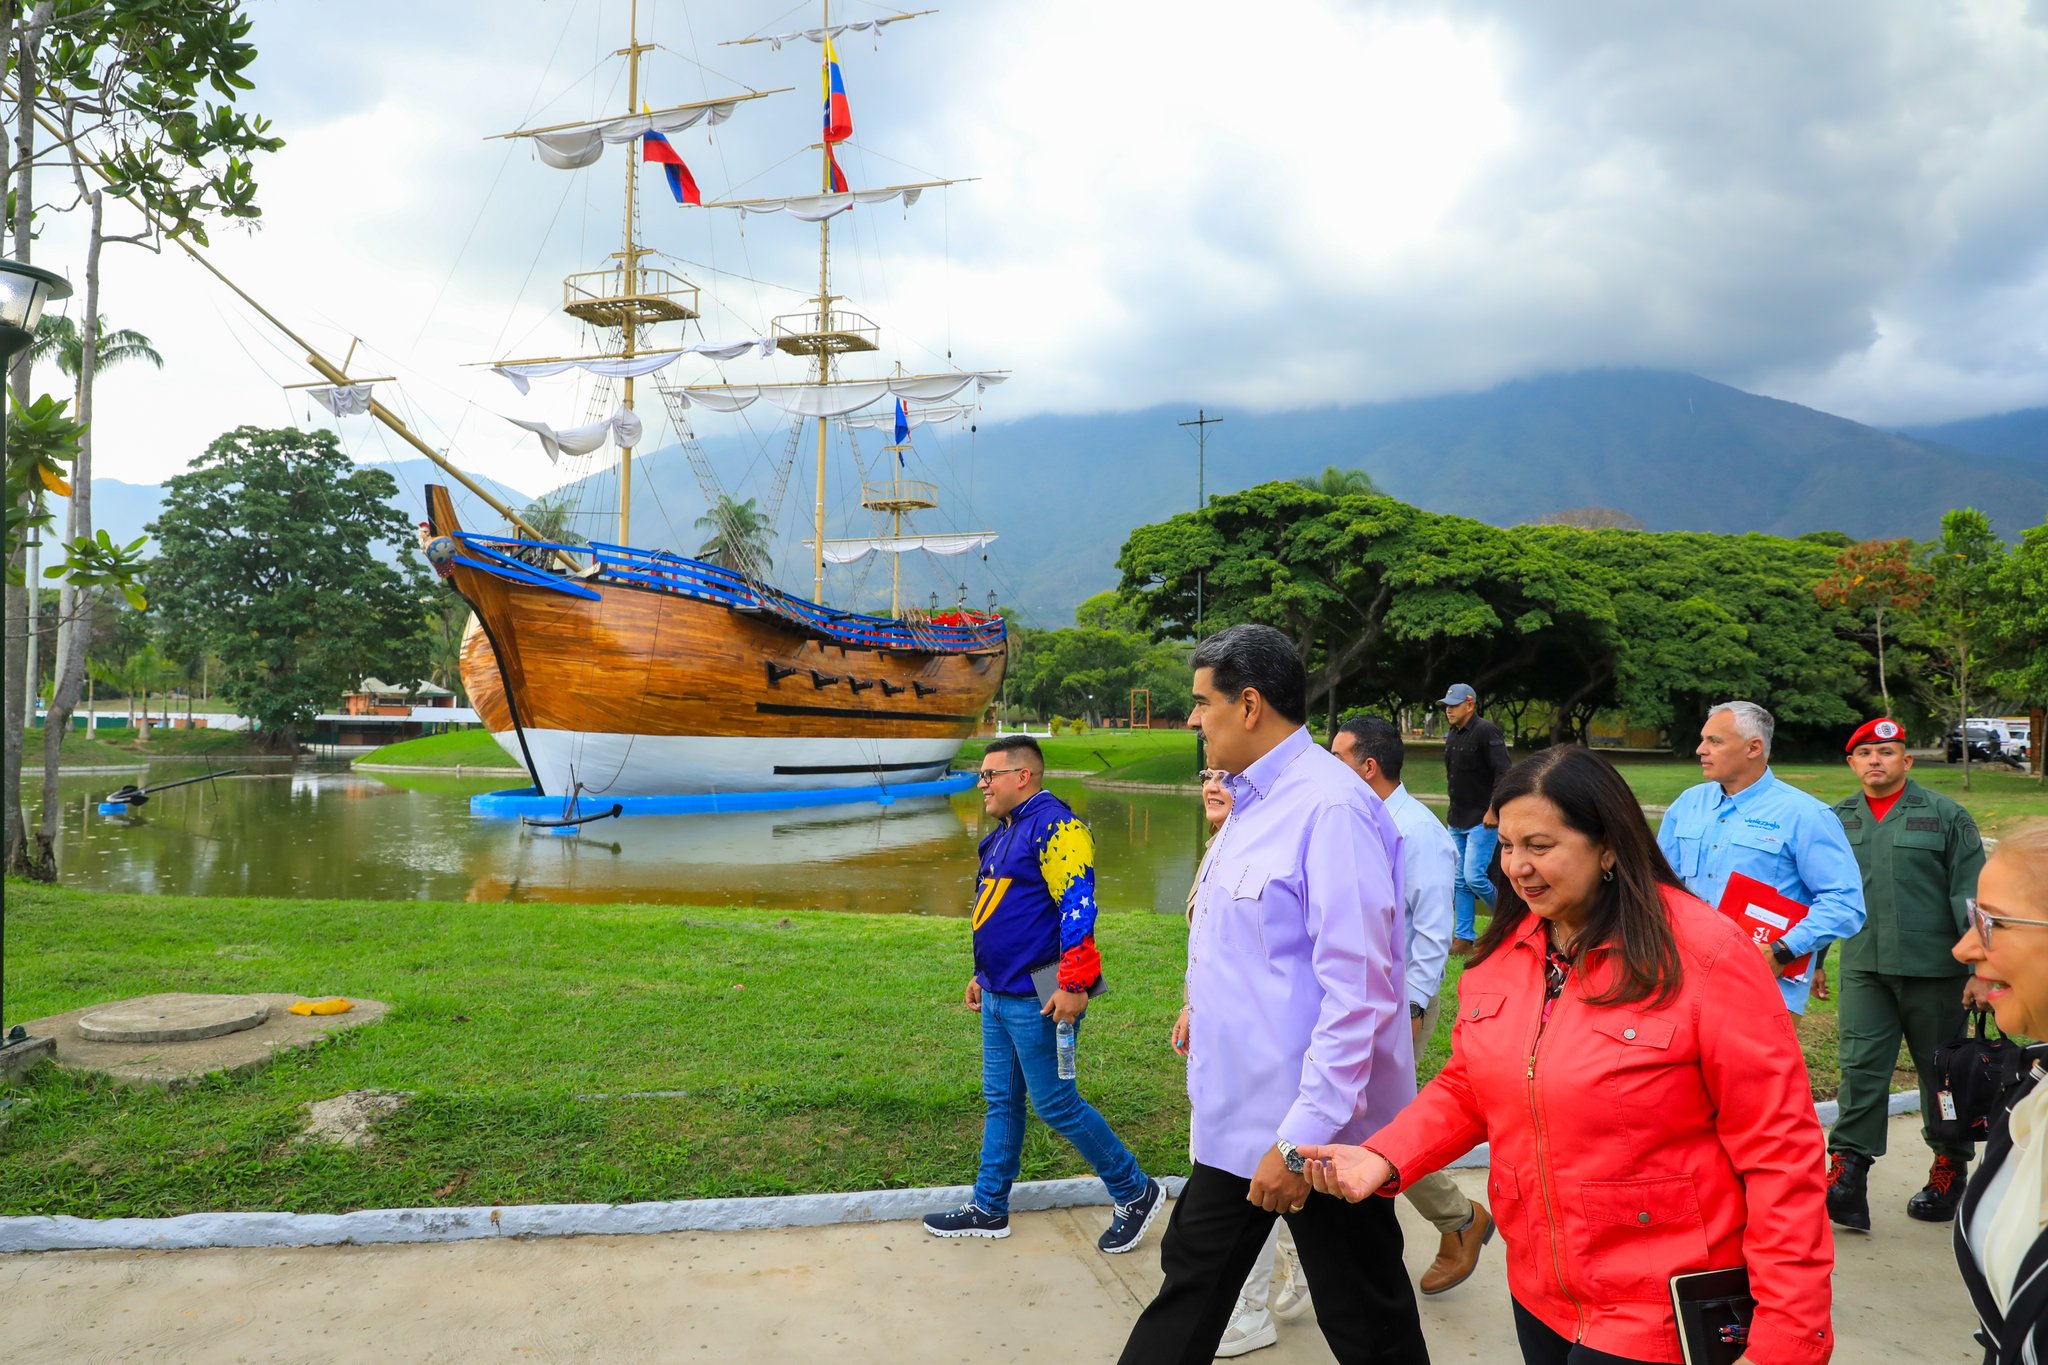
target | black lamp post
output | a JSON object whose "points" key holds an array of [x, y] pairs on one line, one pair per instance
{"points": [[24, 289]]}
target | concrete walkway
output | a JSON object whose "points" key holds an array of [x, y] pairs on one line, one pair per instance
{"points": [[880, 1291]]}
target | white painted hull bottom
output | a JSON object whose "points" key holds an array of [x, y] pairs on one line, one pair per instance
{"points": [[663, 765]]}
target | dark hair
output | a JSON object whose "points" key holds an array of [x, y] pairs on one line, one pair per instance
{"points": [[1017, 744], [1378, 740], [1628, 914], [1257, 657]]}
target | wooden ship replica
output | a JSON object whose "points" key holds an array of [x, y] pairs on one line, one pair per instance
{"points": [[610, 670]]}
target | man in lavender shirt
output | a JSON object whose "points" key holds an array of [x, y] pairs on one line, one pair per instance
{"points": [[1298, 1022]]}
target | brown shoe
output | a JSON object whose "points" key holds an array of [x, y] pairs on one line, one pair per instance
{"points": [[1461, 947], [1458, 1257]]}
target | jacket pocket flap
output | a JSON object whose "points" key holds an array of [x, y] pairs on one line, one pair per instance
{"points": [[1479, 1005], [1635, 1030], [1250, 883], [1641, 1203], [1502, 1181]]}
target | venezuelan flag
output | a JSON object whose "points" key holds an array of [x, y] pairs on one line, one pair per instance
{"points": [[838, 176], [655, 147], [838, 116]]}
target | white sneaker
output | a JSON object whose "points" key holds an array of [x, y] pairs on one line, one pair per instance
{"points": [[1289, 1299], [1251, 1329]]}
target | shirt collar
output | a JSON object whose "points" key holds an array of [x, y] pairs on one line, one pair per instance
{"points": [[1261, 775], [1025, 805], [1752, 791]]}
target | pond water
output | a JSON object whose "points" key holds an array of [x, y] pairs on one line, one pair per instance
{"points": [[310, 829]]}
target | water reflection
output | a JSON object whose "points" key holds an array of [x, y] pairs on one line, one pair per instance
{"points": [[322, 830]]}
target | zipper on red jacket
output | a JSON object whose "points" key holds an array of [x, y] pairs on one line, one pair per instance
{"points": [[1543, 1176]]}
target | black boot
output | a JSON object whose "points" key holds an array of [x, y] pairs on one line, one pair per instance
{"points": [[1849, 1190], [1944, 1190]]}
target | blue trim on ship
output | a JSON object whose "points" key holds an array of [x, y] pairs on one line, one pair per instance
{"points": [[515, 802], [661, 571]]}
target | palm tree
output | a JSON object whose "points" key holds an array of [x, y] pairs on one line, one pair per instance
{"points": [[115, 678], [152, 671], [61, 339], [549, 518], [446, 623], [739, 536], [1341, 483]]}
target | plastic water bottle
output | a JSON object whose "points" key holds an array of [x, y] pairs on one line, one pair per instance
{"points": [[1064, 1036]]}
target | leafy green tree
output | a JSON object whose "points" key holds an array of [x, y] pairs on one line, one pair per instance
{"points": [[1383, 600], [62, 340], [1700, 618], [447, 621], [740, 536], [270, 559], [1871, 578], [1962, 562], [2016, 626]]}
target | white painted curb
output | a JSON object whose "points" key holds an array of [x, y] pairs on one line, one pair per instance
{"points": [[371, 1226]]}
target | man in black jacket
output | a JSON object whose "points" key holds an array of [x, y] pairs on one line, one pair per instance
{"points": [[1475, 757]]}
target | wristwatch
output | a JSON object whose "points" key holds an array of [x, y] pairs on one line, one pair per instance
{"points": [[1291, 1154], [1415, 1011], [1783, 954]]}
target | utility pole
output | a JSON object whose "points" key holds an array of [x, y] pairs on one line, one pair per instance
{"points": [[1201, 423]]}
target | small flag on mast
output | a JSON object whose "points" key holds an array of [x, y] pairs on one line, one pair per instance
{"points": [[902, 423], [838, 116], [838, 176], [655, 147]]}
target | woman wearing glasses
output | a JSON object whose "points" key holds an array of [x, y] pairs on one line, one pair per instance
{"points": [[2002, 1227], [1627, 1054]]}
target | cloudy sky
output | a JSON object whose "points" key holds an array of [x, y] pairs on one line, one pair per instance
{"points": [[1839, 202]]}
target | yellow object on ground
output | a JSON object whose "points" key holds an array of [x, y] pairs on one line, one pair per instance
{"points": [[334, 1004]]}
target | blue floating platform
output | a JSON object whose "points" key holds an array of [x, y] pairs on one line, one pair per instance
{"points": [[517, 801], [113, 808]]}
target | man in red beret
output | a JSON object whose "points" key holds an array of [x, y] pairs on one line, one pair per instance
{"points": [[1919, 853]]}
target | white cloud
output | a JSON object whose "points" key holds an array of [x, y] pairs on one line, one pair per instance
{"points": [[1835, 202]]}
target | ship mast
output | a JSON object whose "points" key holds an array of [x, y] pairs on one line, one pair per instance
{"points": [[824, 353], [629, 259]]}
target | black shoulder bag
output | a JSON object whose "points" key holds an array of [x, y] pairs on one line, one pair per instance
{"points": [[1971, 1075]]}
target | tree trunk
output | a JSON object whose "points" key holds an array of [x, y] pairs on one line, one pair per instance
{"points": [[73, 634], [1963, 687], [19, 181], [1883, 689]]}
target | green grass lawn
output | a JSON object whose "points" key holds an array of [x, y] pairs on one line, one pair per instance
{"points": [[128, 746], [1097, 751], [452, 749], [815, 1051]]}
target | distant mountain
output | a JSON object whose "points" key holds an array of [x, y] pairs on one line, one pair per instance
{"points": [[1675, 451], [2021, 435], [123, 509]]}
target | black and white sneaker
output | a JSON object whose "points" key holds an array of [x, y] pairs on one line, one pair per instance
{"points": [[1127, 1228], [969, 1220]]}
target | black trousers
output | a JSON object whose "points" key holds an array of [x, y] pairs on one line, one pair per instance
{"points": [[1541, 1346], [1351, 1254]]}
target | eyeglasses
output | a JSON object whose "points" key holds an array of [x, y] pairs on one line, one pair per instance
{"points": [[988, 775], [1984, 919], [1211, 775]]}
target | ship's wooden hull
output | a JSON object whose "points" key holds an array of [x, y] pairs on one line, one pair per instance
{"points": [[645, 692]]}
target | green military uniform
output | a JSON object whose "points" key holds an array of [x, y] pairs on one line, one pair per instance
{"points": [[1898, 977]]}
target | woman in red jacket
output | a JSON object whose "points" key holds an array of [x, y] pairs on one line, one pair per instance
{"points": [[1624, 1050]]}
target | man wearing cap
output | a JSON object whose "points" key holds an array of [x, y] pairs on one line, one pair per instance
{"points": [[1919, 854], [1475, 757]]}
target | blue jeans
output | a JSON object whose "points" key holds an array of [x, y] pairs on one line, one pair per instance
{"points": [[1475, 855], [1017, 1057]]}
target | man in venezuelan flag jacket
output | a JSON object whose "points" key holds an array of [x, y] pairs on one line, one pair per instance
{"points": [[1034, 908]]}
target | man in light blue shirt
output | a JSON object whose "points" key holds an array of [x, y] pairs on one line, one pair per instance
{"points": [[1743, 819], [1373, 749]]}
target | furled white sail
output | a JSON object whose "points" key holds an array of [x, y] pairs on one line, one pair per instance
{"points": [[833, 400], [924, 418], [623, 427], [818, 35], [647, 362], [813, 207], [847, 551], [343, 400], [571, 148]]}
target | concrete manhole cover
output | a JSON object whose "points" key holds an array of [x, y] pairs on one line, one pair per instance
{"points": [[176, 1017]]}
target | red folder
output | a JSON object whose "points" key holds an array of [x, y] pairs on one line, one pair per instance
{"points": [[1768, 916]]}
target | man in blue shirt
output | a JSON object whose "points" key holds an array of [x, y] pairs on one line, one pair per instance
{"points": [[1743, 819]]}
